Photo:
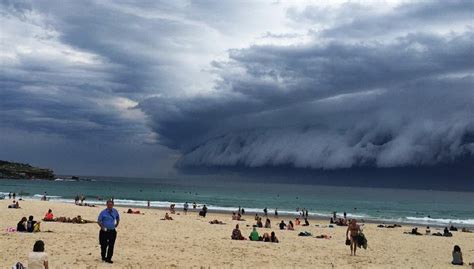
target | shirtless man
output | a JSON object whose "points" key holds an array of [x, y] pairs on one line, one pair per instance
{"points": [[352, 232]]}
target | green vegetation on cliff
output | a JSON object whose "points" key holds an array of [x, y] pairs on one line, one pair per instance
{"points": [[23, 171]]}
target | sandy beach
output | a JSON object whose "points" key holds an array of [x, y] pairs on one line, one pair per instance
{"points": [[145, 241]]}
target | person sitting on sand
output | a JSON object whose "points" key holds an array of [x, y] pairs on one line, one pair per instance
{"points": [[21, 226], [254, 236], [457, 256], [15, 205], [447, 233], [234, 216], [452, 228], [297, 221], [273, 238], [167, 217], [306, 222], [428, 231], [259, 223], [282, 225], [290, 226], [268, 224], [415, 231], [239, 217], [32, 225], [38, 259], [236, 234], [266, 237], [49, 215]]}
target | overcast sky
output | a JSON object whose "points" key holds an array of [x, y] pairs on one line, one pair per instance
{"points": [[143, 88]]}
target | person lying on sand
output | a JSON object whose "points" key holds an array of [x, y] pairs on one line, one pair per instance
{"points": [[75, 220], [86, 204], [236, 234], [167, 217], [216, 222], [466, 230], [131, 211]]}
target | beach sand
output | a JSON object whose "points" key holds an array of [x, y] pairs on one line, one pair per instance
{"points": [[145, 241]]}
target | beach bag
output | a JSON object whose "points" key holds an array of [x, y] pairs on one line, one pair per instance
{"points": [[348, 242]]}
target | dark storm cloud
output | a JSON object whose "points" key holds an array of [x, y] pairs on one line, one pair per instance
{"points": [[356, 86], [407, 100]]}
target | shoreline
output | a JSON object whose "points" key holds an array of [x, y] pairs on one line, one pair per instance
{"points": [[251, 212], [190, 241]]}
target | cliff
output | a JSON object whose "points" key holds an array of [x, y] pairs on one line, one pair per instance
{"points": [[24, 171]]}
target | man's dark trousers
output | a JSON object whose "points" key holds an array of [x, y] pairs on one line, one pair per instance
{"points": [[107, 242]]}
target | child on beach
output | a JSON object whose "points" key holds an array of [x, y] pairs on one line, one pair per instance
{"points": [[38, 259], [457, 256]]}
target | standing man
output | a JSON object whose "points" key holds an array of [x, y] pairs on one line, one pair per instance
{"points": [[108, 221], [185, 207], [352, 234]]}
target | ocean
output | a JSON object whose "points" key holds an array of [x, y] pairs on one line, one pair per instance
{"points": [[425, 207]]}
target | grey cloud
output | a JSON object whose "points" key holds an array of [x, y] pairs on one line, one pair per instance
{"points": [[408, 102]]}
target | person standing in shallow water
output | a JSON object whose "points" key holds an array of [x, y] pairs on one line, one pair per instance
{"points": [[108, 221]]}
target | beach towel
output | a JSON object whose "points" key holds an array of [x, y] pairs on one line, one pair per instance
{"points": [[361, 241]]}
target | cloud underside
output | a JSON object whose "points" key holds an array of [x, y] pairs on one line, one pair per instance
{"points": [[224, 84], [408, 102]]}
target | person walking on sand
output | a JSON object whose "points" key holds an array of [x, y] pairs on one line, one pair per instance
{"points": [[276, 212], [148, 204], [352, 234], [108, 221]]}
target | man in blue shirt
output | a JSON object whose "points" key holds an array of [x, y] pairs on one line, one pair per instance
{"points": [[108, 221]]}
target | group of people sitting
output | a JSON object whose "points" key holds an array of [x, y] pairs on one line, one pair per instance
{"points": [[339, 221], [237, 216], [254, 236], [28, 225], [49, 216]]}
